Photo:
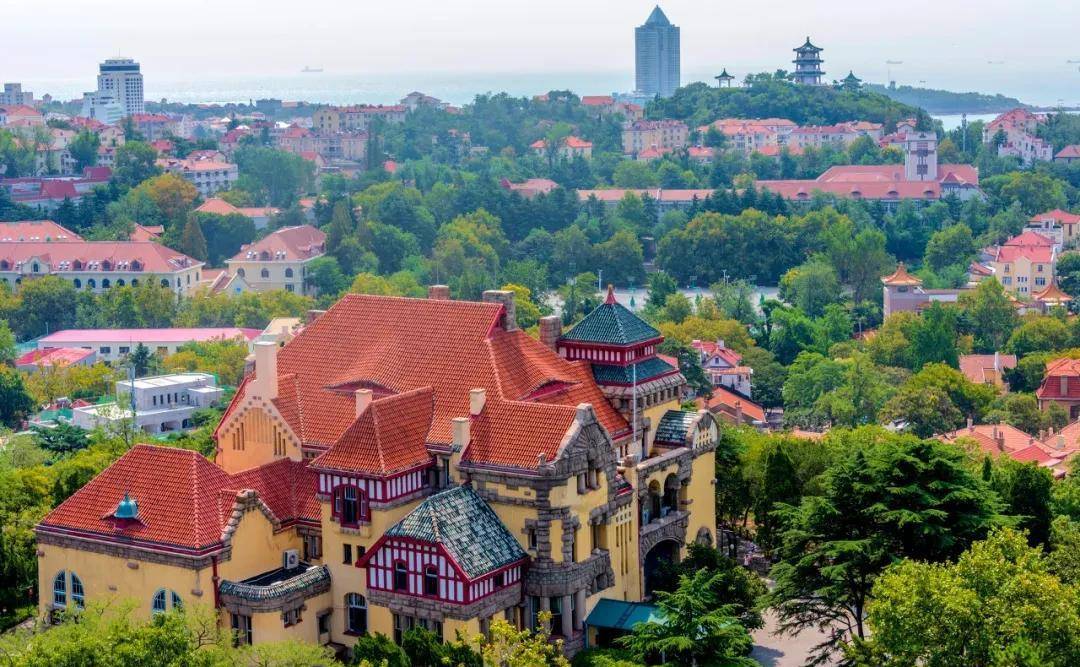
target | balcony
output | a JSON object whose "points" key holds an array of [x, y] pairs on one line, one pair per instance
{"points": [[276, 589]]}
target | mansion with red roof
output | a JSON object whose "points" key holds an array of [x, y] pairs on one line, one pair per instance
{"points": [[920, 178], [402, 463]]}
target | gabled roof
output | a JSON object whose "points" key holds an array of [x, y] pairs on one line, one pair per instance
{"points": [[286, 244], [36, 230], [53, 356], [1055, 371], [1058, 216], [983, 368], [611, 323], [93, 255], [395, 345], [183, 500], [993, 438], [390, 436], [729, 402], [466, 527], [1072, 151]]}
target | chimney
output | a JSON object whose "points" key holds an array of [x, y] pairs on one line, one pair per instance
{"points": [[999, 436], [738, 412], [971, 423], [266, 369], [1064, 379], [550, 330], [506, 298], [363, 400], [461, 432], [313, 315], [439, 292], [1059, 441], [477, 399], [997, 361]]}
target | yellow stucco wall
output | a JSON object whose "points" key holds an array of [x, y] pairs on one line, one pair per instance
{"points": [[702, 496], [267, 627], [254, 434]]}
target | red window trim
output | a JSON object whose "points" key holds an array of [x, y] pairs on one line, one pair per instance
{"points": [[363, 502]]}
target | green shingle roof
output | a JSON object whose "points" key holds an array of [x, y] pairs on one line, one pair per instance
{"points": [[466, 527], [611, 323], [674, 426], [646, 370]]}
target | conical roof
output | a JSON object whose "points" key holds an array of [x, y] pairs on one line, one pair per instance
{"points": [[808, 46], [657, 17], [1052, 294], [611, 323]]}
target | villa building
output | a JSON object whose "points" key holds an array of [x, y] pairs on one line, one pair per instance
{"points": [[162, 404], [279, 260], [1017, 131], [655, 134], [724, 366], [569, 148], [208, 176], [403, 463]]}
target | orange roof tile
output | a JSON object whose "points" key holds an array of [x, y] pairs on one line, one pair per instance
{"points": [[36, 230], [288, 243], [901, 277]]}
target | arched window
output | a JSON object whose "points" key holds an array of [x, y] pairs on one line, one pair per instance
{"points": [[4, 266], [163, 599], [119, 282], [356, 614], [77, 283], [136, 266], [106, 265], [401, 576], [91, 283], [265, 273], [350, 505], [240, 272], [78, 595], [60, 589], [134, 282], [105, 283], [288, 273], [431, 581], [158, 604], [264, 256], [77, 265], [36, 267], [164, 282]]}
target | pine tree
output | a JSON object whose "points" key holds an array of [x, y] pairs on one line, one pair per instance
{"points": [[192, 241]]}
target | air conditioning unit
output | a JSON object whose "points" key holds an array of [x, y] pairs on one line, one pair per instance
{"points": [[290, 559]]}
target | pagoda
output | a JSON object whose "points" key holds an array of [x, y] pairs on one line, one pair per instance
{"points": [[723, 80], [1051, 297], [851, 82], [621, 350], [808, 64]]}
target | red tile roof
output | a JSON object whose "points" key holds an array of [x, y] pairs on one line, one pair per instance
{"points": [[175, 335], [597, 100], [983, 368], [36, 230], [53, 356], [1055, 372], [288, 243], [92, 255], [1072, 152], [993, 438], [184, 500], [390, 436], [1058, 216], [395, 345], [727, 401]]}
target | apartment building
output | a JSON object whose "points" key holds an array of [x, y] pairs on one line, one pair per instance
{"points": [[208, 176], [658, 134], [162, 403]]}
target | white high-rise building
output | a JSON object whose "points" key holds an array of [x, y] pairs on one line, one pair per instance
{"points": [[656, 49], [121, 80]]}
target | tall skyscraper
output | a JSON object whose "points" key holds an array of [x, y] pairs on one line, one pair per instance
{"points": [[657, 48], [121, 81]]}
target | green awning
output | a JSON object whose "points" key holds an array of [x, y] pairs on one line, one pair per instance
{"points": [[620, 615]]}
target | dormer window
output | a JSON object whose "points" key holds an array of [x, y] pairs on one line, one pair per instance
{"points": [[350, 505]]}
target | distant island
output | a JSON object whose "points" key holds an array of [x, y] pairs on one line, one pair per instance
{"points": [[947, 102]]}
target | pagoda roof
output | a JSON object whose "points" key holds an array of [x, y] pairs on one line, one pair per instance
{"points": [[901, 277], [611, 323], [462, 523], [808, 46], [647, 369], [1052, 294], [724, 75], [851, 77]]}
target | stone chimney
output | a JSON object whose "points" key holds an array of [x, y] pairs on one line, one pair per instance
{"points": [[477, 399], [970, 423], [266, 384], [462, 435], [506, 298], [439, 292], [997, 361], [999, 437], [363, 400], [738, 412], [550, 330], [313, 315], [1059, 441]]}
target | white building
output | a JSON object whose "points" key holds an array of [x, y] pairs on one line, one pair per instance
{"points": [[14, 94], [162, 404], [104, 108], [121, 80], [208, 176]]}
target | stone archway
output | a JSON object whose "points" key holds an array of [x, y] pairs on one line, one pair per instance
{"points": [[664, 552]]}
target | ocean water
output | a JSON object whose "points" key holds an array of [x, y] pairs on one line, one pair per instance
{"points": [[1051, 85]]}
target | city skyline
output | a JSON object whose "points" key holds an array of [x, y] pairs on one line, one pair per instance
{"points": [[421, 37]]}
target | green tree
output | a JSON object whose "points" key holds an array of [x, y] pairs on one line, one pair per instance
{"points": [[926, 411], [15, 401], [887, 498], [1068, 273], [953, 245], [8, 351], [997, 602], [695, 629], [1039, 334], [44, 307], [811, 287], [1026, 489], [84, 149], [933, 337], [141, 359], [621, 259], [133, 163], [324, 274], [192, 241], [378, 649]]}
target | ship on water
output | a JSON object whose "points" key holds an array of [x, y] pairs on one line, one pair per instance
{"points": [[311, 70]]}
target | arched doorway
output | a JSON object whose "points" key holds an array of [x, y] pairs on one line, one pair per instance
{"points": [[665, 553]]}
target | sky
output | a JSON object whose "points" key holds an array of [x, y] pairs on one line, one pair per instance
{"points": [[945, 44]]}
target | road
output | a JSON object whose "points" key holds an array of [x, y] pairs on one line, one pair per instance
{"points": [[783, 651]]}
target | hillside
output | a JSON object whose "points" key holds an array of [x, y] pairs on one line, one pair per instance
{"points": [[947, 102]]}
